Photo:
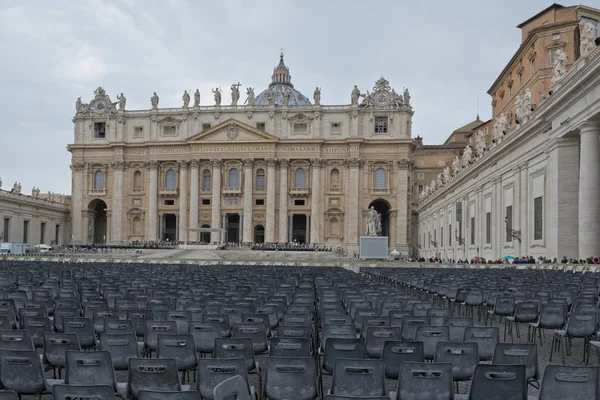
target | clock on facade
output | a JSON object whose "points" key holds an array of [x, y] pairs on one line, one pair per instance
{"points": [[382, 98]]}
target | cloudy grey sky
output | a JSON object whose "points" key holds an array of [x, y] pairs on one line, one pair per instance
{"points": [[447, 53]]}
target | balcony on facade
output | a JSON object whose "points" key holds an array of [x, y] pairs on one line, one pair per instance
{"points": [[168, 192], [137, 190], [97, 192], [231, 191], [381, 192], [335, 189], [299, 191]]}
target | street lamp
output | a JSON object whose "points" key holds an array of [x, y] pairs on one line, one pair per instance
{"points": [[513, 233]]}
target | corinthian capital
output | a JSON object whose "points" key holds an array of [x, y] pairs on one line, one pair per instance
{"points": [[216, 162], [117, 165], [194, 163], [152, 164], [284, 163], [271, 162], [184, 163], [248, 162], [78, 166], [353, 162], [316, 162]]}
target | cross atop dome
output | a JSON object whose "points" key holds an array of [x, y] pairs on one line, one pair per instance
{"points": [[281, 74]]}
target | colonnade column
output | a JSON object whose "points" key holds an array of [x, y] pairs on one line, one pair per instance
{"points": [[402, 218], [589, 190], [216, 200], [270, 221], [516, 221], [247, 219], [117, 206], [152, 231], [183, 198], [283, 201], [315, 199], [354, 214], [77, 229], [194, 164]]}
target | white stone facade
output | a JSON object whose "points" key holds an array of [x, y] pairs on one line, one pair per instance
{"points": [[541, 180]]}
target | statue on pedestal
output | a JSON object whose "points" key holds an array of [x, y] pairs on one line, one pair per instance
{"points": [[78, 105], [287, 94], [154, 101], [481, 143], [587, 38], [270, 96], [197, 98], [373, 222], [440, 180], [560, 70], [122, 101], [500, 126], [467, 156], [355, 96], [447, 175], [235, 93], [217, 93], [406, 98], [186, 99], [455, 166], [250, 99], [317, 96]]}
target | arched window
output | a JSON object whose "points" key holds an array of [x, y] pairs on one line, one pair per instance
{"points": [[206, 179], [300, 178], [334, 178], [137, 226], [170, 182], [259, 234], [234, 178], [260, 179], [137, 180], [380, 178], [99, 180], [334, 227]]}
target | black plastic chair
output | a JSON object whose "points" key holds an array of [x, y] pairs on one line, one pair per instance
{"points": [[358, 378], [221, 320], [562, 382], [55, 347], [580, 325], [204, 334], [157, 395], [552, 316], [152, 374], [287, 378], [463, 357], [377, 336], [239, 348], [118, 326], [9, 395], [83, 328], [154, 328], [62, 312], [525, 312], [231, 388], [68, 392], [336, 331], [458, 325], [506, 382], [420, 381], [90, 368], [396, 352], [121, 346], [519, 354], [22, 371], [213, 371], [337, 348], [180, 347], [16, 339], [486, 339], [290, 347], [430, 336], [256, 332], [410, 324]]}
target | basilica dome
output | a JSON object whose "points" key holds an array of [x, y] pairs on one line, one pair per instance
{"points": [[281, 81]]}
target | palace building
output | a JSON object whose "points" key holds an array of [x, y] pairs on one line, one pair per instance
{"points": [[279, 168]]}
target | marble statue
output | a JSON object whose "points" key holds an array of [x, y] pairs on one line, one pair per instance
{"points": [[480, 143], [197, 98], [154, 100], [433, 185], [500, 126], [527, 101], [560, 70], [235, 93], [78, 105], [122, 101], [287, 94], [50, 196], [406, 98], [355, 96], [217, 95], [447, 175], [373, 219], [17, 188], [467, 156], [518, 108], [456, 166], [367, 99], [270, 96], [397, 100], [317, 96], [186, 99], [587, 38], [33, 191], [250, 99], [439, 180]]}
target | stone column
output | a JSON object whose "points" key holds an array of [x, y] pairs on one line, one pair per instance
{"points": [[194, 164], [354, 214], [152, 231], [589, 190], [283, 201], [403, 217], [247, 221], [270, 220], [78, 230], [516, 221], [315, 198], [216, 200], [116, 232], [524, 210], [183, 198]]}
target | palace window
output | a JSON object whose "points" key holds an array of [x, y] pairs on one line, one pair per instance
{"points": [[260, 202], [381, 125], [488, 227], [533, 66], [169, 202], [510, 92], [206, 180], [380, 178], [299, 202], [260, 179], [100, 130], [520, 79], [300, 178], [99, 180], [234, 178], [56, 234], [449, 234], [25, 231], [6, 230], [336, 128], [509, 221], [261, 126], [441, 236], [300, 128], [170, 182], [206, 202], [42, 232], [472, 231], [420, 175], [538, 222], [420, 188], [205, 127], [136, 226], [138, 132]]}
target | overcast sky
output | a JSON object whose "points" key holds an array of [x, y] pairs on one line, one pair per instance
{"points": [[447, 53]]}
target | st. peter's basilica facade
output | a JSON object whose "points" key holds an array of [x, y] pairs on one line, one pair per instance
{"points": [[277, 168]]}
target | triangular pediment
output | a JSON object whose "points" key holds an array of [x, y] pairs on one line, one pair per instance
{"points": [[231, 131]]}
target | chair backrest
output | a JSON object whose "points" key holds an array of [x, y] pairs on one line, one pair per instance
{"points": [[291, 378], [294, 331], [118, 326], [421, 381], [257, 332], [486, 339], [374, 321], [56, 345], [337, 348], [505, 305], [562, 382], [337, 331], [387, 306], [289, 347], [518, 354], [527, 311], [181, 319], [462, 356], [410, 324], [83, 328], [395, 352], [89, 368], [181, 347], [204, 334], [67, 392], [553, 316], [235, 348], [296, 319], [21, 371], [506, 382], [99, 315], [16, 339], [438, 315], [156, 395], [139, 318], [152, 374], [457, 327], [213, 371], [154, 328], [358, 378], [337, 319], [9, 395], [377, 336], [234, 387], [222, 320], [582, 324], [430, 336], [121, 346]]}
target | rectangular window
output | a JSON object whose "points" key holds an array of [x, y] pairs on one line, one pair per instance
{"points": [[488, 227], [42, 232], [99, 130], [472, 231], [509, 220], [501, 102], [206, 182], [381, 125], [520, 79], [261, 126], [510, 92], [206, 202], [300, 128], [441, 236], [420, 175], [299, 202], [56, 234], [555, 36], [205, 127], [138, 132], [493, 110], [260, 181], [336, 128], [442, 163], [169, 202], [260, 202], [533, 66], [25, 231], [420, 188], [421, 164], [169, 131], [538, 222], [449, 234], [6, 229]]}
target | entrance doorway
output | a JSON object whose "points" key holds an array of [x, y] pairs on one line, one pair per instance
{"points": [[169, 224], [383, 208], [205, 236], [232, 225], [259, 234], [299, 223], [97, 222]]}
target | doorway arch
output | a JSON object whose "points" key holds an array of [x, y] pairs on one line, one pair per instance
{"points": [[383, 208], [97, 222], [259, 234]]}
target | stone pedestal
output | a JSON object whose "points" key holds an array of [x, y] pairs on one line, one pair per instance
{"points": [[373, 247]]}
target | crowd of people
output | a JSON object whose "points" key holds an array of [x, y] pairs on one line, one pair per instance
{"points": [[291, 246], [507, 260]]}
